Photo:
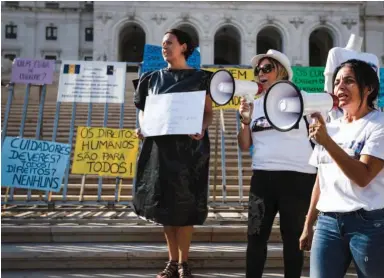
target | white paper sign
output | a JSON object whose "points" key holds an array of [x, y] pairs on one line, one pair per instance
{"points": [[176, 113], [92, 81]]}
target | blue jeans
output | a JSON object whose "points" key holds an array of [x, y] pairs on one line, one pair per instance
{"points": [[342, 237]]}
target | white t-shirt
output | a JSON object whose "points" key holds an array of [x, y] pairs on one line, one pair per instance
{"points": [[337, 192], [279, 151]]}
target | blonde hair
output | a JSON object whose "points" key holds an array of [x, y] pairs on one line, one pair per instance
{"points": [[281, 72]]}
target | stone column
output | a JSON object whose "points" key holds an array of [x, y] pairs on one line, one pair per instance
{"points": [[100, 44]]}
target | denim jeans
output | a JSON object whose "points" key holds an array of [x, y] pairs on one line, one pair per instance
{"points": [[344, 237], [288, 193]]}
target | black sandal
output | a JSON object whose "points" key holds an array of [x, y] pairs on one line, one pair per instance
{"points": [[184, 270], [170, 270]]}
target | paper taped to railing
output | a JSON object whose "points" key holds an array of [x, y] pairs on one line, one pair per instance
{"points": [[33, 164], [92, 81], [176, 113]]}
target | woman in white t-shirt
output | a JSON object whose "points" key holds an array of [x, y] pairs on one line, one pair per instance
{"points": [[349, 189], [282, 180]]}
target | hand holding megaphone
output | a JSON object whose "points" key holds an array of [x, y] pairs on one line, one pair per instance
{"points": [[246, 109], [318, 129], [223, 87]]}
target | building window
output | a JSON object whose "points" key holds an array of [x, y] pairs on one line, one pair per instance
{"points": [[51, 33], [10, 31], [12, 4], [10, 56], [89, 34], [52, 5], [50, 57], [88, 58]]}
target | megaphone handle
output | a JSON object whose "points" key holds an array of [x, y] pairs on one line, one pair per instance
{"points": [[314, 120]]}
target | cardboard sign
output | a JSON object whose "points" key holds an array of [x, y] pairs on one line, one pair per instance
{"points": [[33, 164], [105, 152], [30, 71]]}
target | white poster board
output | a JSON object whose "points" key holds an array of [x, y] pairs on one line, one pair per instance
{"points": [[92, 81], [176, 113]]}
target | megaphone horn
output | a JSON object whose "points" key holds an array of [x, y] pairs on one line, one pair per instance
{"points": [[223, 87], [285, 104]]}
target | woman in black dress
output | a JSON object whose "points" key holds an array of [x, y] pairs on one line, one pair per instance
{"points": [[172, 171]]}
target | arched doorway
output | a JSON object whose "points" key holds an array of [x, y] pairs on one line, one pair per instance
{"points": [[269, 38], [131, 43], [227, 46], [190, 30], [320, 42]]}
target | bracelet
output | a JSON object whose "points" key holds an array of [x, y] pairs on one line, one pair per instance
{"points": [[242, 121]]}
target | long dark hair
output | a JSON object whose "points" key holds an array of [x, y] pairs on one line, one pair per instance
{"points": [[182, 38], [365, 76]]}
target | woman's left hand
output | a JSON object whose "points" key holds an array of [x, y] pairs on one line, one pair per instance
{"points": [[318, 130], [198, 136]]}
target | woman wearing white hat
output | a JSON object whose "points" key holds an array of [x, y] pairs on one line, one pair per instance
{"points": [[282, 179]]}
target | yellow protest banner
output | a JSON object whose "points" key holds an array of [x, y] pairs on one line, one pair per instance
{"points": [[237, 73], [105, 152]]}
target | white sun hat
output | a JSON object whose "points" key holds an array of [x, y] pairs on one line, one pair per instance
{"points": [[277, 55]]}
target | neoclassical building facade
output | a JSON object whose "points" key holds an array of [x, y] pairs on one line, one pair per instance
{"points": [[226, 32]]}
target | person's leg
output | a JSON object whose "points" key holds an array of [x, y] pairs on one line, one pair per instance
{"points": [[330, 256], [261, 214], [170, 270], [295, 191], [367, 242], [184, 237]]}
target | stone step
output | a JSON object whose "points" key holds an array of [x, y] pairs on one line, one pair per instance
{"points": [[132, 255], [121, 233], [147, 273]]}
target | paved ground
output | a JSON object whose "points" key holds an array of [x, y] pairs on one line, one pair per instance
{"points": [[117, 273]]}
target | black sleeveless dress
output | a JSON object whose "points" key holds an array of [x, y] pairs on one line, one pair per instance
{"points": [[172, 176]]}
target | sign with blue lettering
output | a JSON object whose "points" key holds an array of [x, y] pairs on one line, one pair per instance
{"points": [[33, 164], [153, 58], [380, 101]]}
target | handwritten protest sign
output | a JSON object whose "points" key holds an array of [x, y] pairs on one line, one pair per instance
{"points": [[380, 101], [153, 58], [105, 152], [92, 81], [176, 113], [30, 71], [33, 164], [309, 79], [237, 73]]}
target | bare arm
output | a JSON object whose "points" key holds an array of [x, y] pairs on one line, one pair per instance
{"points": [[208, 112], [244, 137]]}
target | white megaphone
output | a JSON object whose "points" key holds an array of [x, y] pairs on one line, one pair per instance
{"points": [[285, 104], [223, 87]]}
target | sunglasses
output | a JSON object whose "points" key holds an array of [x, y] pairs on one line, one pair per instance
{"points": [[267, 68]]}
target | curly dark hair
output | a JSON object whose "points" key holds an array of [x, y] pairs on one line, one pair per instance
{"points": [[183, 37], [365, 76]]}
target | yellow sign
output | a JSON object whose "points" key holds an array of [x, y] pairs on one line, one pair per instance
{"points": [[105, 152], [241, 74]]}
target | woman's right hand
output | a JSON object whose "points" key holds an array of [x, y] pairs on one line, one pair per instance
{"points": [[306, 238], [245, 110]]}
